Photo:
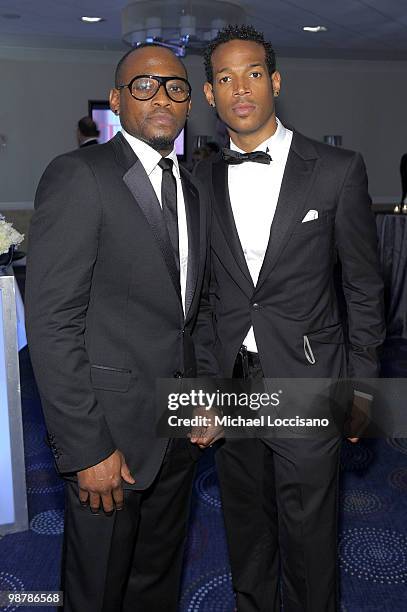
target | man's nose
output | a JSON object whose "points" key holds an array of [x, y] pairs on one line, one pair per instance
{"points": [[161, 98], [242, 87]]}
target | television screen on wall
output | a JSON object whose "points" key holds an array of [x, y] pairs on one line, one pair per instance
{"points": [[108, 124]]}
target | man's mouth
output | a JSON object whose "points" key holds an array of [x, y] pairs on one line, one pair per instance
{"points": [[243, 109], [162, 118]]}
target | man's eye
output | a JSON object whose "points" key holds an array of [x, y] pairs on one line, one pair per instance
{"points": [[143, 85], [224, 79], [255, 74]]}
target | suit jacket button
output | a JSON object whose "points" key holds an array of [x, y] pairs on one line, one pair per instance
{"points": [[256, 306], [178, 374]]}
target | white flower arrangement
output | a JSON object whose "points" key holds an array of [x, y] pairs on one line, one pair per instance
{"points": [[8, 236]]}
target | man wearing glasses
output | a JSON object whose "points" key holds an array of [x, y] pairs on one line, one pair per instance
{"points": [[115, 274]]}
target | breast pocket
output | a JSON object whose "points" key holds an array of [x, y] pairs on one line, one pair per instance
{"points": [[323, 223]]}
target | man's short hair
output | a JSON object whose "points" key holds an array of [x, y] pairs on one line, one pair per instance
{"points": [[88, 127], [118, 73], [238, 32]]}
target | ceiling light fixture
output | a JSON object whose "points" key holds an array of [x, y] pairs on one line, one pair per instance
{"points": [[10, 16], [179, 24], [315, 29], [92, 19]]}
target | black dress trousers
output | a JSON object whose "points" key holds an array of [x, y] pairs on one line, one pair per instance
{"points": [[130, 561], [280, 499]]}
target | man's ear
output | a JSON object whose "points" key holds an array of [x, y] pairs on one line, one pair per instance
{"points": [[276, 82], [189, 108], [208, 91], [114, 101]]}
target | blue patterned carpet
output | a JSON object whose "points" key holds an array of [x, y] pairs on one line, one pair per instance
{"points": [[372, 551]]}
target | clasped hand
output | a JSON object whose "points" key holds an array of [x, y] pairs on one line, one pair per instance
{"points": [[206, 436]]}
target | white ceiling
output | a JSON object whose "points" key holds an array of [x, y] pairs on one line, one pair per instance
{"points": [[365, 29]]}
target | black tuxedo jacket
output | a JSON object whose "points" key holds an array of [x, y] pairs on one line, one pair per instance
{"points": [[104, 311], [294, 307]]}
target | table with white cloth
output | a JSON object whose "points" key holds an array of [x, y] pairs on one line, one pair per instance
{"points": [[13, 499], [392, 237], [21, 334]]}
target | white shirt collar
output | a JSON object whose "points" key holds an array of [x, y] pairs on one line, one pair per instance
{"points": [[88, 139], [274, 144], [148, 156]]}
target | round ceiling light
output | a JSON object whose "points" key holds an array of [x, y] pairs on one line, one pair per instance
{"points": [[315, 29], [92, 19]]}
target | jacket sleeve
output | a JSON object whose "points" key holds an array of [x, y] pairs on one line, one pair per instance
{"points": [[356, 243], [63, 246]]}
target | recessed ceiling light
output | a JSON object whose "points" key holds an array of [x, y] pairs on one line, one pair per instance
{"points": [[92, 19], [315, 29], [11, 16]]}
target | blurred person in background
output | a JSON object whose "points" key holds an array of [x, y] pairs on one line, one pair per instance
{"points": [[87, 132]]}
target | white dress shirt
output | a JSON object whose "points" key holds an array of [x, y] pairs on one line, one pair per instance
{"points": [[149, 158], [254, 189]]}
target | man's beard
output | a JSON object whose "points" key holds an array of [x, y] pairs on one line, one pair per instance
{"points": [[160, 143]]}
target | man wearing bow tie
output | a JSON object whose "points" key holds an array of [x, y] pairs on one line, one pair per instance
{"points": [[118, 246], [286, 208]]}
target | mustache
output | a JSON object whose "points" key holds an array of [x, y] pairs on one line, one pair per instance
{"points": [[161, 111], [244, 101]]}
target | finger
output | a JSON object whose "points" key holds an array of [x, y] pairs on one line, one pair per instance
{"points": [[94, 502], [125, 473], [198, 440], [118, 497], [209, 438], [193, 437], [107, 503], [353, 440], [204, 442], [197, 433], [83, 497]]}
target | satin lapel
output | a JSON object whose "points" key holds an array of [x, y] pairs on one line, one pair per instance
{"points": [[123, 151], [224, 213], [143, 192], [192, 208], [297, 181]]}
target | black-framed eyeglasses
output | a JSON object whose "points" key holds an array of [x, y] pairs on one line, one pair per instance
{"points": [[146, 86]]}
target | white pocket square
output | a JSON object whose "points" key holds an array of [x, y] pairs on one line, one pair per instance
{"points": [[310, 216]]}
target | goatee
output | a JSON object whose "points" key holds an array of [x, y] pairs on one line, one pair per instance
{"points": [[161, 143]]}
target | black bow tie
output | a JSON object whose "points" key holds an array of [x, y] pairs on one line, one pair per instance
{"points": [[234, 157]]}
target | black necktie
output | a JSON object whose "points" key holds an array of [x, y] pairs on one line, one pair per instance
{"points": [[169, 204], [234, 157]]}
